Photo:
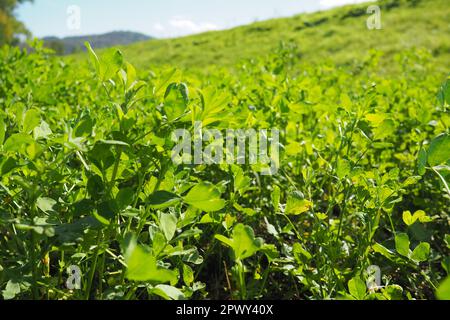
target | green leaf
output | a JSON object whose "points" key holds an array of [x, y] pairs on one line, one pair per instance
{"points": [[175, 100], [243, 242], [168, 292], [402, 244], [193, 257], [393, 292], [375, 119], [247, 211], [2, 131], [101, 219], [31, 120], [213, 103], [384, 130], [439, 150], [412, 180], [225, 240], [296, 204], [8, 165], [158, 243], [208, 218], [408, 218], [357, 288], [343, 168], [84, 127], [205, 196], [124, 198], [168, 225], [189, 234], [45, 204], [188, 275], [241, 181], [271, 228], [12, 289], [142, 266], [131, 74], [421, 252], [18, 143], [110, 64], [276, 196], [162, 200], [300, 253], [443, 292], [33, 150], [422, 162], [346, 102], [420, 215], [42, 131], [444, 93], [270, 251], [94, 58]]}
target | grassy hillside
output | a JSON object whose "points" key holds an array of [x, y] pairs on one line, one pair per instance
{"points": [[339, 35]]}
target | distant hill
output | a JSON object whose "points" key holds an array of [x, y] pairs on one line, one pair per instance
{"points": [[70, 45], [339, 35]]}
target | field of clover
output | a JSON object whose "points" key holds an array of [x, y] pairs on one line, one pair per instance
{"points": [[88, 187]]}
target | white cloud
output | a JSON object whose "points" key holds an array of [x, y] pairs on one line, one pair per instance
{"points": [[158, 27], [188, 26], [325, 4], [178, 26]]}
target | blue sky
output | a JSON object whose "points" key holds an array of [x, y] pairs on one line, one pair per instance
{"points": [[159, 18]]}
